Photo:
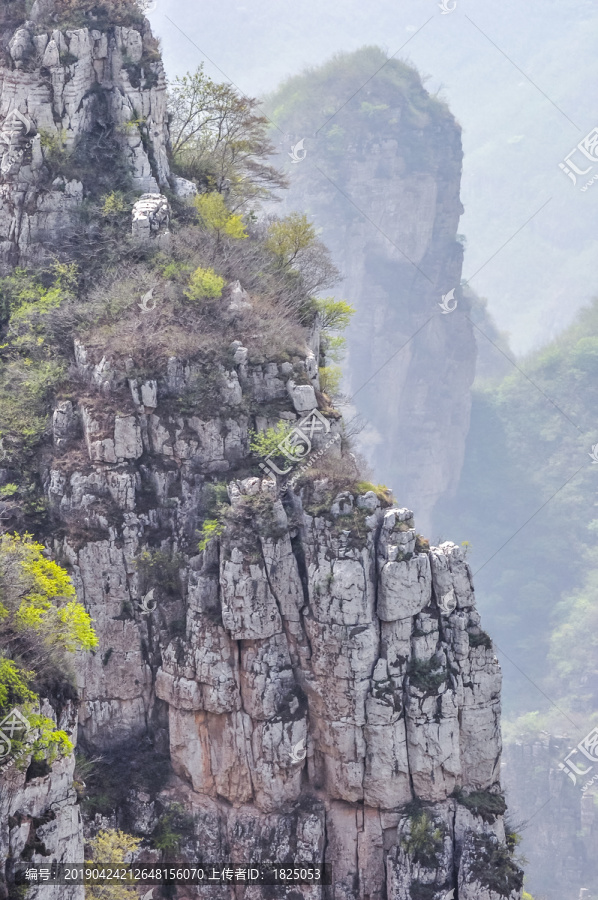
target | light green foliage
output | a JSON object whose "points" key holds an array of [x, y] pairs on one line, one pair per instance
{"points": [[14, 686], [330, 379], [54, 148], [210, 529], [213, 212], [44, 741], [335, 315], [8, 490], [37, 594], [116, 847], [219, 141], [383, 493], [288, 237], [205, 284], [298, 253], [334, 348], [264, 443], [113, 204], [41, 622], [30, 371]]}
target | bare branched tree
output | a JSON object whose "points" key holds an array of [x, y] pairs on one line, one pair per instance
{"points": [[219, 140]]}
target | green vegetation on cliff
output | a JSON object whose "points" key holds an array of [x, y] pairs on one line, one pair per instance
{"points": [[528, 494], [339, 105]]}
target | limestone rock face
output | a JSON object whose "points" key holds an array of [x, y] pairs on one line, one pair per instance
{"points": [[299, 673], [290, 658], [150, 216], [385, 193], [57, 88], [40, 817]]}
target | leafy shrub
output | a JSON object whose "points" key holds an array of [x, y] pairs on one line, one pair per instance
{"points": [[480, 639], [267, 443], [205, 283], [114, 204], [482, 803], [172, 827], [216, 217], [45, 742], [116, 847], [425, 675], [330, 379], [298, 253], [493, 866], [335, 315], [160, 567], [38, 595], [425, 841], [210, 529], [383, 493], [219, 141]]}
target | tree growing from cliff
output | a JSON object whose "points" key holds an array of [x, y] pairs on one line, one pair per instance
{"points": [[219, 140], [41, 624], [115, 847]]}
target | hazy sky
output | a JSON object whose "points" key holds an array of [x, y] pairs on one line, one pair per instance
{"points": [[519, 79]]}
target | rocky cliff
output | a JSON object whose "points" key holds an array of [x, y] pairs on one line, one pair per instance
{"points": [[560, 835], [381, 177], [313, 684]]}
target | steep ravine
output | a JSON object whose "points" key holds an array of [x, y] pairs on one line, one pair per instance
{"points": [[317, 620]]}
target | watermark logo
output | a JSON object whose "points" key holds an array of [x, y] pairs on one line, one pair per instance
{"points": [[149, 895], [147, 5], [297, 444], [14, 723], [15, 125], [593, 455], [450, 895], [445, 304], [448, 603], [299, 752], [446, 8], [147, 604], [144, 306], [588, 747], [298, 152], [588, 152]]}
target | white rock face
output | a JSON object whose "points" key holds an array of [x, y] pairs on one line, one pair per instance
{"points": [[65, 84], [314, 664], [301, 673], [151, 215]]}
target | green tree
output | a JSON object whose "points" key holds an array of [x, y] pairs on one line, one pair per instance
{"points": [[216, 217], [219, 140], [205, 283], [298, 252], [116, 847], [41, 621]]}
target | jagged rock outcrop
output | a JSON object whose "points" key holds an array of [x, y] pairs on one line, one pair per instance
{"points": [[323, 632], [58, 88], [381, 178], [40, 817], [311, 681]]}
